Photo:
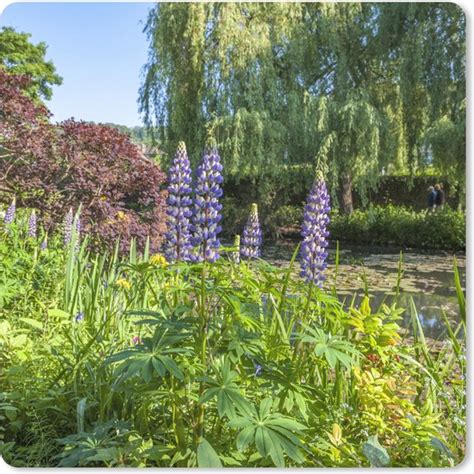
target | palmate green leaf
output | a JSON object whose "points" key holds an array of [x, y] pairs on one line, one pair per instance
{"points": [[245, 437], [273, 434], [207, 456], [152, 356], [267, 443], [333, 348], [226, 390]]}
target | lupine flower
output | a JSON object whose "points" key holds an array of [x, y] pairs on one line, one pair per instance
{"points": [[10, 214], [44, 244], [79, 316], [32, 225], [67, 227], [236, 253], [314, 233], [252, 236], [207, 209], [258, 370], [78, 234], [136, 340], [178, 236]]}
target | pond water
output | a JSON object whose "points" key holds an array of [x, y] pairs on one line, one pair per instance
{"points": [[428, 278]]}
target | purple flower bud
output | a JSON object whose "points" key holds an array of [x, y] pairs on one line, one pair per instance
{"points": [[32, 225], [10, 214], [178, 237], [44, 244], [79, 316], [314, 233], [236, 253], [67, 227], [252, 236], [207, 209]]}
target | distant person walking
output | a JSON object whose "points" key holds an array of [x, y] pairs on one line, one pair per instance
{"points": [[440, 196], [431, 198]]}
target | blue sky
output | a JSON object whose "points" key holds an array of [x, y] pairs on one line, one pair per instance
{"points": [[98, 49]]}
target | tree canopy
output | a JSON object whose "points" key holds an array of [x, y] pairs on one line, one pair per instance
{"points": [[359, 88], [19, 56], [53, 168]]}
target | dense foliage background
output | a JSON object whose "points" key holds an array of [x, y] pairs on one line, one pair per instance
{"points": [[363, 88]]}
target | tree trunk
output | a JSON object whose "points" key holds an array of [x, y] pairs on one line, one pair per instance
{"points": [[346, 192]]}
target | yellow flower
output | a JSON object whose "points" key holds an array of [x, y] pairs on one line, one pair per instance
{"points": [[121, 216], [103, 198], [158, 260], [124, 284]]}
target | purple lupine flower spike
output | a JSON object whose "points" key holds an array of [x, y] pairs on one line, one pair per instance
{"points": [[67, 229], [44, 244], [78, 234], [207, 209], [32, 225], [10, 214], [314, 232], [178, 236], [252, 236]]}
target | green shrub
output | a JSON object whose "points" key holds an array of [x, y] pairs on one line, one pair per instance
{"points": [[393, 225], [285, 220]]}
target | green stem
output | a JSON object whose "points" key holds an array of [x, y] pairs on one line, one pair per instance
{"points": [[203, 348], [299, 345]]}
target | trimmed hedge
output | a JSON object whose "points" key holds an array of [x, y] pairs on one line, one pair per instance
{"points": [[377, 225], [394, 225]]}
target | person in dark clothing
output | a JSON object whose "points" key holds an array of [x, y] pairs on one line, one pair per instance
{"points": [[431, 198], [440, 197]]}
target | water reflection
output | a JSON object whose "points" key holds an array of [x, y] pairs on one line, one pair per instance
{"points": [[429, 308], [428, 278]]}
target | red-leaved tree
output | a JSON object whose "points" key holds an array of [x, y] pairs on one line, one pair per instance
{"points": [[55, 167]]}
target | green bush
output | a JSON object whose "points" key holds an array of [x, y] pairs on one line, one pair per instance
{"points": [[286, 219], [393, 225]]}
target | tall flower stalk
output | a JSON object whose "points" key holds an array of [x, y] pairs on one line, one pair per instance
{"points": [[10, 214], [67, 227], [78, 233], [44, 244], [32, 225], [207, 208], [236, 253], [252, 236], [314, 232], [178, 236]]}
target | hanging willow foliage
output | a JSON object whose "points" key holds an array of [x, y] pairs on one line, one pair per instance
{"points": [[364, 88]]}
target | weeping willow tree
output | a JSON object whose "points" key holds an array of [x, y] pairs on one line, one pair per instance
{"points": [[362, 88]]}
